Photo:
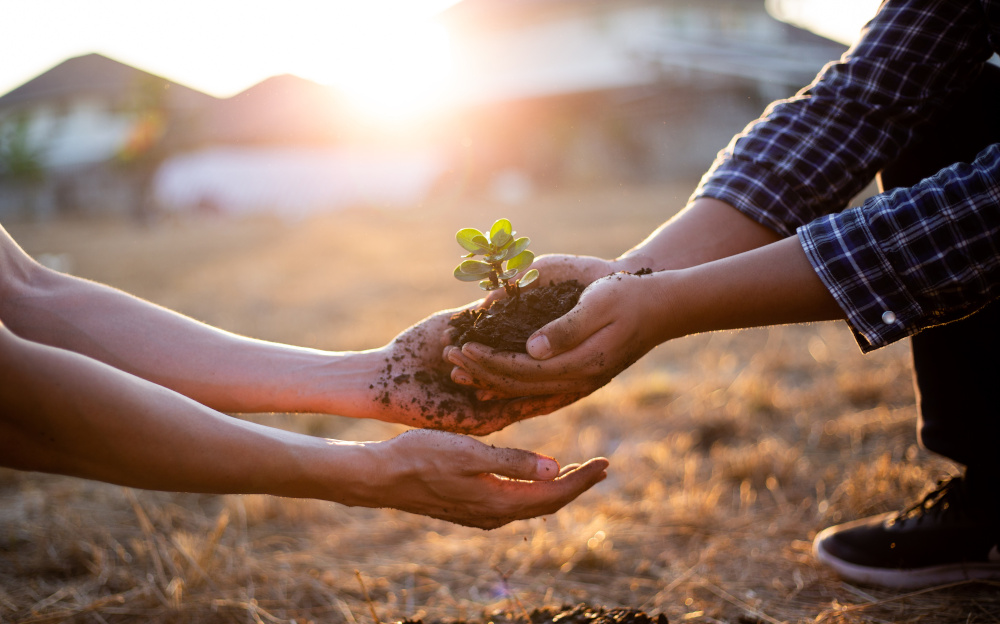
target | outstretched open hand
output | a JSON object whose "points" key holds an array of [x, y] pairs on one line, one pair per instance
{"points": [[413, 386], [462, 480]]}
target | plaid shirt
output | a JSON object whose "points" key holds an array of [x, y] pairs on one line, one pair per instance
{"points": [[907, 259]]}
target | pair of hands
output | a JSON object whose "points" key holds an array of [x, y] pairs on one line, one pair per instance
{"points": [[424, 383], [605, 333]]}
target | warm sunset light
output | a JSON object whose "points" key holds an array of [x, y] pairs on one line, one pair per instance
{"points": [[398, 71]]}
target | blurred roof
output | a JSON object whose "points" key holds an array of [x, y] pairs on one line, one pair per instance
{"points": [[280, 109], [95, 74]]}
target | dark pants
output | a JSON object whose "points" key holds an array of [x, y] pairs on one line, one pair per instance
{"points": [[957, 366]]}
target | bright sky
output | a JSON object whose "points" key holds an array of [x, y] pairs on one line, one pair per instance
{"points": [[372, 49], [388, 54]]}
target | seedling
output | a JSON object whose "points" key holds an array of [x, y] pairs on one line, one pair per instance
{"points": [[503, 257]]}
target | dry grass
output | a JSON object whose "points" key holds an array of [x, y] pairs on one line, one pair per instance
{"points": [[729, 451]]}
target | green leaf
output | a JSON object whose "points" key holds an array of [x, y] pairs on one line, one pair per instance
{"points": [[488, 285], [465, 277], [475, 267], [503, 253], [501, 232], [521, 261], [529, 277], [472, 240], [506, 275], [518, 246]]}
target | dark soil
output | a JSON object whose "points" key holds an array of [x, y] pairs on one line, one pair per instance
{"points": [[580, 614], [508, 322]]}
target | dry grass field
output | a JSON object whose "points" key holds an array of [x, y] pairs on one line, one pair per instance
{"points": [[728, 451]]}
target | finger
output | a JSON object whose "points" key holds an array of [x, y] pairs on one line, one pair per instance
{"points": [[516, 464], [568, 468], [524, 377], [544, 498], [519, 500], [563, 334]]}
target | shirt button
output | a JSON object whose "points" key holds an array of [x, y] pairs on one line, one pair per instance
{"points": [[888, 317]]}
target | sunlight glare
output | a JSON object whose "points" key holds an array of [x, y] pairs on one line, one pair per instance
{"points": [[397, 71]]}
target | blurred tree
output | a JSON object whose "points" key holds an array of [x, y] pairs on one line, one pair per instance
{"points": [[22, 171], [20, 162], [145, 146]]}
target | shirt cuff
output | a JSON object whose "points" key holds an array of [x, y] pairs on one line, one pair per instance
{"points": [[841, 249]]}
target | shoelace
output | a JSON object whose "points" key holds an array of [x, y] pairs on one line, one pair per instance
{"points": [[946, 496]]}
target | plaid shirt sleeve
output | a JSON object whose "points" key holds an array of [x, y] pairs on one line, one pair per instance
{"points": [[904, 260]]}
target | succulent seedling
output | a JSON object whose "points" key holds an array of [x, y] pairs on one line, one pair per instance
{"points": [[503, 257]]}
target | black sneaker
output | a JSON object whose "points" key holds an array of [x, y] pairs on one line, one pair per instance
{"points": [[952, 535]]}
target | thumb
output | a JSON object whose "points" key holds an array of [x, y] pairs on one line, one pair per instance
{"points": [[566, 332], [519, 464]]}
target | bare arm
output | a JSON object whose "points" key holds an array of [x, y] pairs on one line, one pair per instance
{"points": [[707, 229], [222, 370], [65, 413]]}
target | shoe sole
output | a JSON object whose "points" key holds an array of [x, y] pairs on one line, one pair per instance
{"points": [[913, 578]]}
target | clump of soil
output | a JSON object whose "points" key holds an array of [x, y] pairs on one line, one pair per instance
{"points": [[508, 322], [580, 614]]}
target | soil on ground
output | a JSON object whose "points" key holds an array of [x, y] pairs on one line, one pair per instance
{"points": [[579, 614], [508, 322]]}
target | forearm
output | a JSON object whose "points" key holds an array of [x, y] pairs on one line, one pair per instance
{"points": [[65, 413], [771, 285], [225, 371], [706, 230]]}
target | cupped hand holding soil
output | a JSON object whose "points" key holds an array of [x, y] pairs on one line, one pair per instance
{"points": [[606, 330], [413, 386]]}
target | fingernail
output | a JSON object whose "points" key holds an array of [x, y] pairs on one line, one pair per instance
{"points": [[538, 347], [547, 467]]}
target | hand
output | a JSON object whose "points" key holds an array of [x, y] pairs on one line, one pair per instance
{"points": [[608, 330], [462, 480], [413, 386]]}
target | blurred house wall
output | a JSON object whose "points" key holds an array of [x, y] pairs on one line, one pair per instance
{"points": [[574, 91]]}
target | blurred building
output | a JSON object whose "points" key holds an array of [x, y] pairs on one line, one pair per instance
{"points": [[577, 91], [87, 135]]}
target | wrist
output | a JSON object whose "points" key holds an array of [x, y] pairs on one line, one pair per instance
{"points": [[340, 383], [339, 471], [659, 298]]}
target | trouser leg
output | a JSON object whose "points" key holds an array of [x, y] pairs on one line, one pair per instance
{"points": [[957, 366]]}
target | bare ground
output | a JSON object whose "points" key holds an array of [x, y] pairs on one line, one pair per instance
{"points": [[728, 451]]}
